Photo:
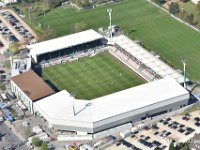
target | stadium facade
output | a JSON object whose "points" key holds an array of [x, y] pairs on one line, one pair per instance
{"points": [[65, 45], [29, 87], [64, 112]]}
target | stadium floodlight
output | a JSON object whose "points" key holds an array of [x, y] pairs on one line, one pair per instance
{"points": [[29, 14], [109, 10], [184, 69]]}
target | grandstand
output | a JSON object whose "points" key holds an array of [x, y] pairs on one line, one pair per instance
{"points": [[146, 61], [65, 46], [64, 112]]}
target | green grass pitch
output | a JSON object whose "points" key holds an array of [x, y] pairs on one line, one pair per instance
{"points": [[92, 77], [158, 31]]}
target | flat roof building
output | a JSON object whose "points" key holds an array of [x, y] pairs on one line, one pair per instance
{"points": [[30, 87], [64, 112], [64, 42]]}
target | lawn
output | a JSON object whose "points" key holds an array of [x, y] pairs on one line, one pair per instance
{"points": [[158, 31], [92, 77]]}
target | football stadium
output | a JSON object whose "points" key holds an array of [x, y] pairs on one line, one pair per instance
{"points": [[83, 67]]}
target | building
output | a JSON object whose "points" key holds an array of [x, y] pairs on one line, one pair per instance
{"points": [[65, 45], [64, 112], [9, 1], [19, 66], [153, 66], [29, 87], [195, 142]]}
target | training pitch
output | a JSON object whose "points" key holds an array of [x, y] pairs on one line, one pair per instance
{"points": [[92, 77], [141, 20]]}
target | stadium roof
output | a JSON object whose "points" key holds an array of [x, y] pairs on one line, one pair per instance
{"points": [[147, 58], [32, 85], [63, 42], [60, 105]]}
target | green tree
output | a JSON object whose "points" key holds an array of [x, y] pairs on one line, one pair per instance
{"points": [[190, 19], [184, 1], [172, 147], [183, 14], [198, 8], [157, 1], [44, 146], [14, 47], [36, 141], [174, 8]]}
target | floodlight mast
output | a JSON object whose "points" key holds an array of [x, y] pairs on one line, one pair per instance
{"points": [[184, 69], [109, 10]]}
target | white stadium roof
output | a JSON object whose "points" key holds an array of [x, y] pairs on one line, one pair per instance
{"points": [[60, 105], [63, 42], [147, 58]]}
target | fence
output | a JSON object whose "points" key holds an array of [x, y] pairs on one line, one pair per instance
{"points": [[178, 19]]}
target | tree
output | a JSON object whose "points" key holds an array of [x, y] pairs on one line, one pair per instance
{"points": [[174, 8], [14, 47], [190, 19], [86, 3], [77, 3], [184, 1], [157, 1], [36, 141], [183, 14], [172, 147], [198, 8], [44, 146], [80, 26], [54, 3]]}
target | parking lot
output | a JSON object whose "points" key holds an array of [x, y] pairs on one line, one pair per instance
{"points": [[8, 139], [181, 128], [14, 29]]}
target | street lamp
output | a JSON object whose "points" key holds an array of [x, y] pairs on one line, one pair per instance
{"points": [[184, 65], [109, 10], [29, 12]]}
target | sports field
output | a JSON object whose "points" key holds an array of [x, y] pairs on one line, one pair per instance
{"points": [[156, 29], [92, 77]]}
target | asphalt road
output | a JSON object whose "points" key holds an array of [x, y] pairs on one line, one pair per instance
{"points": [[8, 139]]}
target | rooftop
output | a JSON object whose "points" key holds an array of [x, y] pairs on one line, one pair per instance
{"points": [[60, 105], [31, 84], [147, 58], [64, 42]]}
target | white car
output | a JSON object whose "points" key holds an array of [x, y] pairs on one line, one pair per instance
{"points": [[1, 119]]}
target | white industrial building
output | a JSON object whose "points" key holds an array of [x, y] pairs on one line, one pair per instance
{"points": [[64, 112]]}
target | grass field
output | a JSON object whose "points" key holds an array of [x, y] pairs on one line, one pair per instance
{"points": [[92, 77], [157, 30]]}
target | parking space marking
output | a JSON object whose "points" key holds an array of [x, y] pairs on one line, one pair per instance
{"points": [[189, 123], [156, 137], [5, 43], [23, 23], [12, 29]]}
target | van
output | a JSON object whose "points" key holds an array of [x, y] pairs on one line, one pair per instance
{"points": [[3, 96]]}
